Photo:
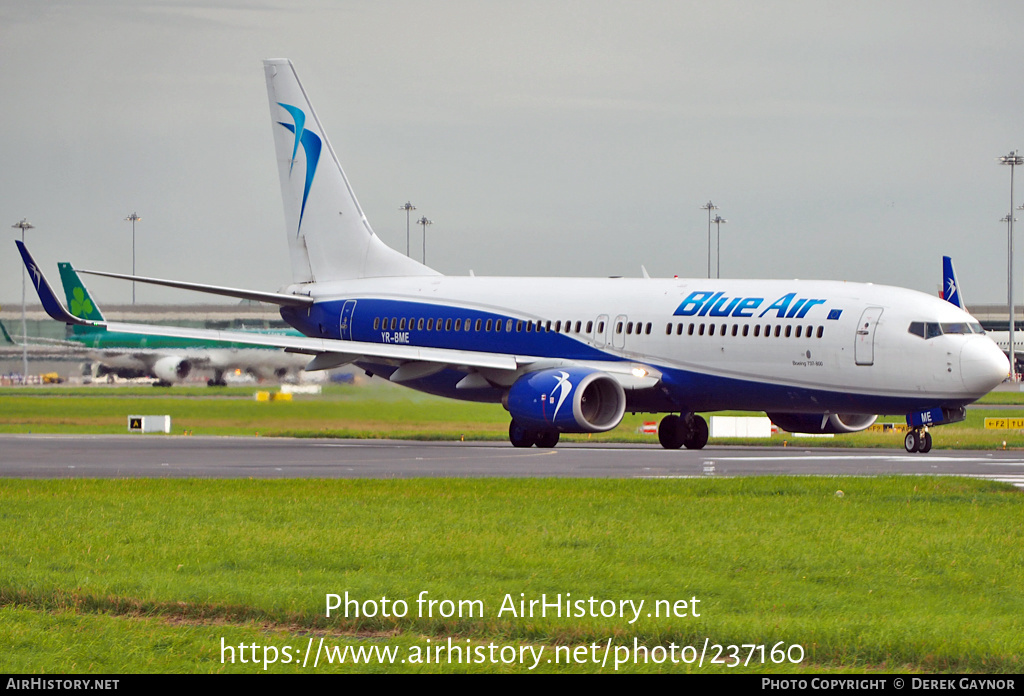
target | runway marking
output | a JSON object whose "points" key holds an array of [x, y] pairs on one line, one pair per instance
{"points": [[1015, 480], [988, 459]]}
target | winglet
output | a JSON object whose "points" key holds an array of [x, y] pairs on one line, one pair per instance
{"points": [[950, 286], [50, 302]]}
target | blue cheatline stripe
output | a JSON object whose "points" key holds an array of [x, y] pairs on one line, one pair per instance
{"points": [[324, 320]]}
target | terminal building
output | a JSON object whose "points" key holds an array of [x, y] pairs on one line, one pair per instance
{"points": [[49, 353]]}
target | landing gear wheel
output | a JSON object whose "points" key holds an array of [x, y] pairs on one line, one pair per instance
{"points": [[926, 443], [547, 438], [912, 442], [670, 432], [697, 436], [520, 436]]}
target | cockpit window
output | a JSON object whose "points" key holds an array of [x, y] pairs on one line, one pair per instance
{"points": [[933, 329]]}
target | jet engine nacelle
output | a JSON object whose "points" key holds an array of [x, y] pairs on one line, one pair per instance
{"points": [[569, 400], [816, 423], [171, 368]]}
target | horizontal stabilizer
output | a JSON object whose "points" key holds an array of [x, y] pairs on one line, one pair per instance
{"points": [[240, 293]]}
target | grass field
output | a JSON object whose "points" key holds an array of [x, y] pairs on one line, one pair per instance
{"points": [[385, 411], [903, 574], [897, 574]]}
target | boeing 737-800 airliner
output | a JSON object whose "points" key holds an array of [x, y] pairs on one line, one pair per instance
{"points": [[572, 355]]}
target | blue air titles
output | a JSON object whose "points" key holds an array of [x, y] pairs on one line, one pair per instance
{"points": [[718, 304]]}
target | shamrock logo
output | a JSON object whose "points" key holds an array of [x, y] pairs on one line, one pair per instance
{"points": [[81, 306]]}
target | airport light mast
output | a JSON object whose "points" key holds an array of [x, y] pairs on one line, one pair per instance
{"points": [[408, 207], [709, 206], [134, 217], [23, 225], [718, 240], [424, 222], [1012, 160]]}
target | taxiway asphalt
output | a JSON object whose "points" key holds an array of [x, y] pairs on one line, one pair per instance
{"points": [[127, 456]]}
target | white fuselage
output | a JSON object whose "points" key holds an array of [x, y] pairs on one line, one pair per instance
{"points": [[749, 342]]}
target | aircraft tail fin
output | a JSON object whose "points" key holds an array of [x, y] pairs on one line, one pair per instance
{"points": [[76, 294], [7, 336], [329, 237], [950, 285]]}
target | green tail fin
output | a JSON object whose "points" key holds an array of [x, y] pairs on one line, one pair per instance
{"points": [[79, 302]]}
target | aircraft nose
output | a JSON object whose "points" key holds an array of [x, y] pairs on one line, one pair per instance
{"points": [[982, 365]]}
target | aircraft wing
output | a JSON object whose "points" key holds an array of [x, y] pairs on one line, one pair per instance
{"points": [[351, 350]]}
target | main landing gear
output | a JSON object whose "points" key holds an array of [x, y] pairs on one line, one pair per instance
{"points": [[689, 429], [918, 440], [521, 436]]}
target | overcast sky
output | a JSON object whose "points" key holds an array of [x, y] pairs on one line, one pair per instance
{"points": [[855, 141]]}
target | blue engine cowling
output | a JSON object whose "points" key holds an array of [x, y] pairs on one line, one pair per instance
{"points": [[569, 400], [822, 423]]}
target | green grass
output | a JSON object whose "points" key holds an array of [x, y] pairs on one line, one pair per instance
{"points": [[384, 411], [898, 574]]}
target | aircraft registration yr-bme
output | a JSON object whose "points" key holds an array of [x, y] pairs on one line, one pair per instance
{"points": [[572, 355]]}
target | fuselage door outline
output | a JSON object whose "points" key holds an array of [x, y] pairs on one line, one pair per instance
{"points": [[345, 323], [864, 348]]}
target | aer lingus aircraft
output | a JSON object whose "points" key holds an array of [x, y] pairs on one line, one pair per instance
{"points": [[168, 358], [572, 355]]}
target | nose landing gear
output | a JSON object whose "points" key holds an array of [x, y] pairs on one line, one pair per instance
{"points": [[918, 440]]}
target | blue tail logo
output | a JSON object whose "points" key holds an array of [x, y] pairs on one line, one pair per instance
{"points": [[950, 287], [311, 145]]}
